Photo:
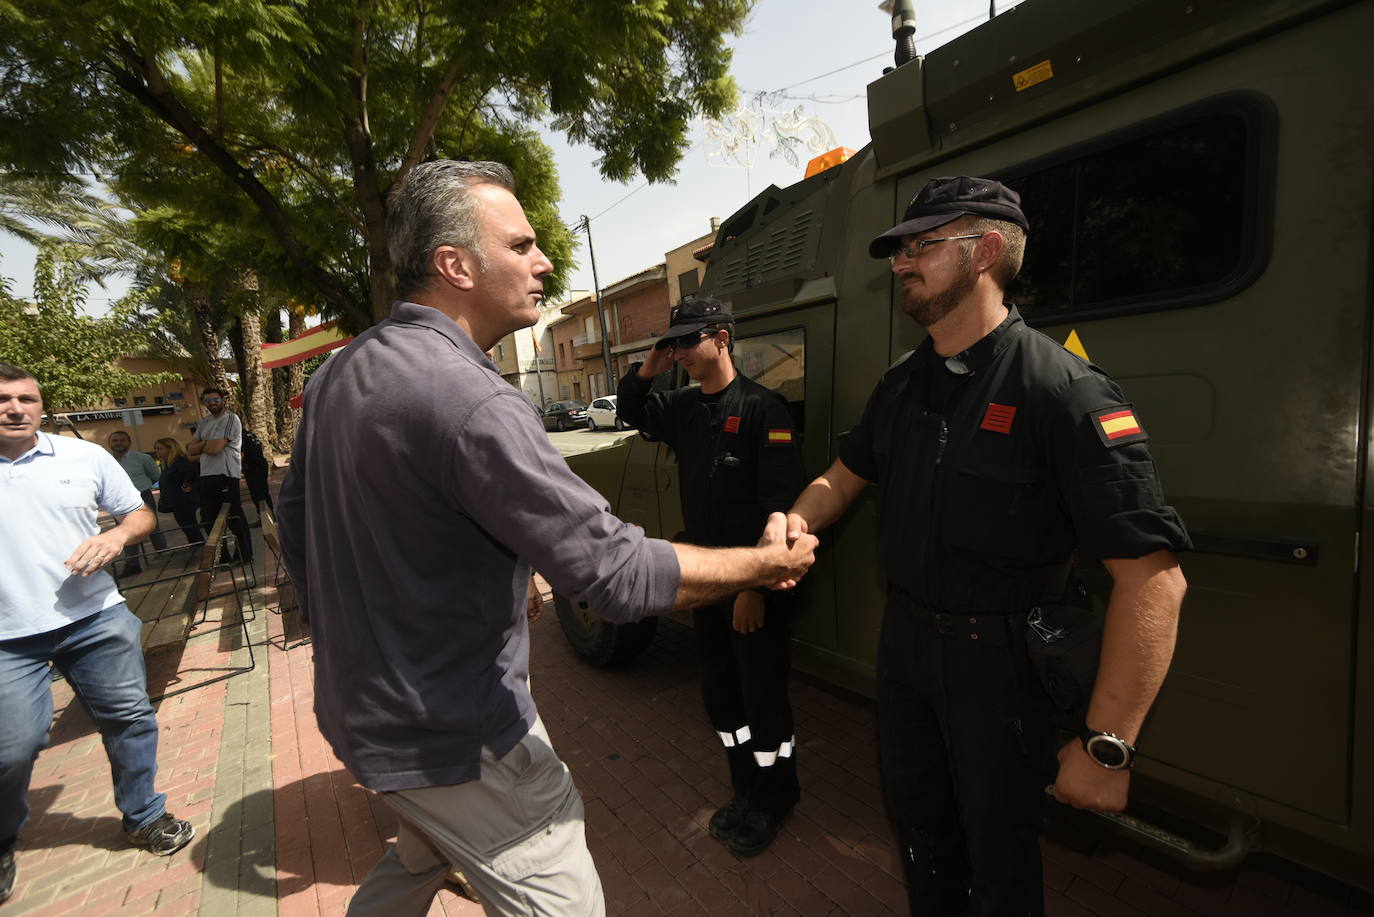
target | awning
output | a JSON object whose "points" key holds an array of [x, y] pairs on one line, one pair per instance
{"points": [[320, 339]]}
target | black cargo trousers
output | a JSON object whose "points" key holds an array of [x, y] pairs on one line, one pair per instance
{"points": [[964, 741], [744, 689], [217, 490]]}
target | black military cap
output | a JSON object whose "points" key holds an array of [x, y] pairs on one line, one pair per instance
{"points": [[944, 200], [693, 314]]}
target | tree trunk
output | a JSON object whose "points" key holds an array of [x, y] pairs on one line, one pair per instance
{"points": [[295, 384], [235, 337], [257, 387], [203, 314], [273, 333]]}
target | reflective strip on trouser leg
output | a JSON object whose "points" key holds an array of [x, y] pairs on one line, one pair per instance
{"points": [[769, 758], [738, 737]]}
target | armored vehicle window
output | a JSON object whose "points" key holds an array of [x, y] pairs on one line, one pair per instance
{"points": [[777, 360], [1170, 213]]}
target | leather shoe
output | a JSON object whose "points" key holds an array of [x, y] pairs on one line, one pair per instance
{"points": [[755, 833], [7, 871], [727, 819]]}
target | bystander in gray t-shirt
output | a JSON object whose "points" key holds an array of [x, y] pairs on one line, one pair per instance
{"points": [[225, 426]]}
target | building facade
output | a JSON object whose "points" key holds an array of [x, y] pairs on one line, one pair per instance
{"points": [[146, 414], [526, 358], [686, 264]]}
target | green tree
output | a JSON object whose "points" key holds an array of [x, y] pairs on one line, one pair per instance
{"points": [[310, 112], [73, 355]]}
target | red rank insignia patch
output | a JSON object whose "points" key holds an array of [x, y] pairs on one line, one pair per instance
{"points": [[998, 418], [732, 425], [1118, 426]]}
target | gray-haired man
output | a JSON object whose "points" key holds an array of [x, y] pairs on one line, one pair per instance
{"points": [[422, 490]]}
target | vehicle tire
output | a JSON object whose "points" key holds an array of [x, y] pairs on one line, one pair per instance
{"points": [[597, 640], [591, 424], [561, 425]]}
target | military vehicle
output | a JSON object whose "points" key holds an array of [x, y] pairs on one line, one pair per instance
{"points": [[1199, 179]]}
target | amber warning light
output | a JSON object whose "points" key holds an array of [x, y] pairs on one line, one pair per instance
{"points": [[828, 160]]}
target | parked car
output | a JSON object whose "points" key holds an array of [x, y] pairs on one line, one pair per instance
{"points": [[602, 415], [564, 415]]}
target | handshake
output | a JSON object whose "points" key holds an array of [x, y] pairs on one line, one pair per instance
{"points": [[779, 561], [789, 549]]}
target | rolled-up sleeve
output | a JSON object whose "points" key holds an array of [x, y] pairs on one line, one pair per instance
{"points": [[500, 469]]}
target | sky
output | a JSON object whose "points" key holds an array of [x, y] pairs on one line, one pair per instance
{"points": [[818, 55]]}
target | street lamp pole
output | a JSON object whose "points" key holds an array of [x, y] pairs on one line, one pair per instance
{"points": [[600, 312]]}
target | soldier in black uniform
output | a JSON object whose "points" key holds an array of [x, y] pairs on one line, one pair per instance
{"points": [[998, 455], [738, 460]]}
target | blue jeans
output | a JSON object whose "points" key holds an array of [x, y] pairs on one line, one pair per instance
{"points": [[103, 661]]}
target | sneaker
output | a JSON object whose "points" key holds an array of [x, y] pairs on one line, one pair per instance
{"points": [[6, 875], [755, 833], [163, 836], [727, 819]]}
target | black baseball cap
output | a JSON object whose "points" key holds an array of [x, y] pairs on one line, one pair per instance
{"points": [[694, 313], [944, 200]]}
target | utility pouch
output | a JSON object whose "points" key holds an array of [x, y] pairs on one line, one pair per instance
{"points": [[1065, 644]]}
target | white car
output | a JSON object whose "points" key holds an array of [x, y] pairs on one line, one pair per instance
{"points": [[601, 415]]}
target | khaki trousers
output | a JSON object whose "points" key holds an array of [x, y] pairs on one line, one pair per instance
{"points": [[517, 834]]}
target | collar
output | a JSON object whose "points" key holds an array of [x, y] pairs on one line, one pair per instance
{"points": [[981, 354], [44, 446], [412, 313]]}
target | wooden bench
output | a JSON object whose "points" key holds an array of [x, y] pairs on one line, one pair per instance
{"points": [[173, 583], [173, 594], [287, 605]]}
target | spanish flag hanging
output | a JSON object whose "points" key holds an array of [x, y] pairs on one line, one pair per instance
{"points": [[1118, 426]]}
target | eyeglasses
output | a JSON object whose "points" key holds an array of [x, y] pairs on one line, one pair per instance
{"points": [[212, 401], [686, 341], [918, 248]]}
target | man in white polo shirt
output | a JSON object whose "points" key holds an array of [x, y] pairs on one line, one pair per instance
{"points": [[218, 444], [58, 607]]}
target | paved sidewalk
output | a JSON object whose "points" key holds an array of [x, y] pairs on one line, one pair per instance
{"points": [[282, 828]]}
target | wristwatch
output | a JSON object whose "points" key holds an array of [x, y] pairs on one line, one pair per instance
{"points": [[1107, 750]]}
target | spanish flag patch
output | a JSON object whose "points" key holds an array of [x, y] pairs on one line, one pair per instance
{"points": [[1118, 426], [779, 437]]}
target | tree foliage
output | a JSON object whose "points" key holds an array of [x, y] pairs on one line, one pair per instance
{"points": [[296, 119], [73, 355]]}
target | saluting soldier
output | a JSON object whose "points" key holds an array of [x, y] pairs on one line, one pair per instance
{"points": [[998, 455], [739, 459]]}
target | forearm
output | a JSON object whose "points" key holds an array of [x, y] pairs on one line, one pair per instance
{"points": [[708, 575], [214, 446], [825, 499], [134, 527], [1137, 642]]}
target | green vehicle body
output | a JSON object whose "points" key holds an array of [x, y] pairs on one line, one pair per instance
{"points": [[1251, 374]]}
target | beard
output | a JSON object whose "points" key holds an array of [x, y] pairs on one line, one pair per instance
{"points": [[930, 308]]}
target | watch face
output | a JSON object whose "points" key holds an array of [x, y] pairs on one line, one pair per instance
{"points": [[1108, 751]]}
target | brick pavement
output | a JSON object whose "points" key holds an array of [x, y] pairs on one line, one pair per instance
{"points": [[282, 828]]}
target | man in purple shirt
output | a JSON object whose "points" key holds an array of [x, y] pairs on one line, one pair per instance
{"points": [[422, 490]]}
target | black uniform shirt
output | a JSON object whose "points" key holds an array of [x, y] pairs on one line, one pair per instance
{"points": [[738, 456], [995, 464]]}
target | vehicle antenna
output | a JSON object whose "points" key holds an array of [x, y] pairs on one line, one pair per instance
{"points": [[904, 31]]}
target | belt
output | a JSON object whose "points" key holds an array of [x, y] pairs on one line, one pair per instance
{"points": [[992, 628]]}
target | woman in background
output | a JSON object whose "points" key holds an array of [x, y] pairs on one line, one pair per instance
{"points": [[177, 488]]}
